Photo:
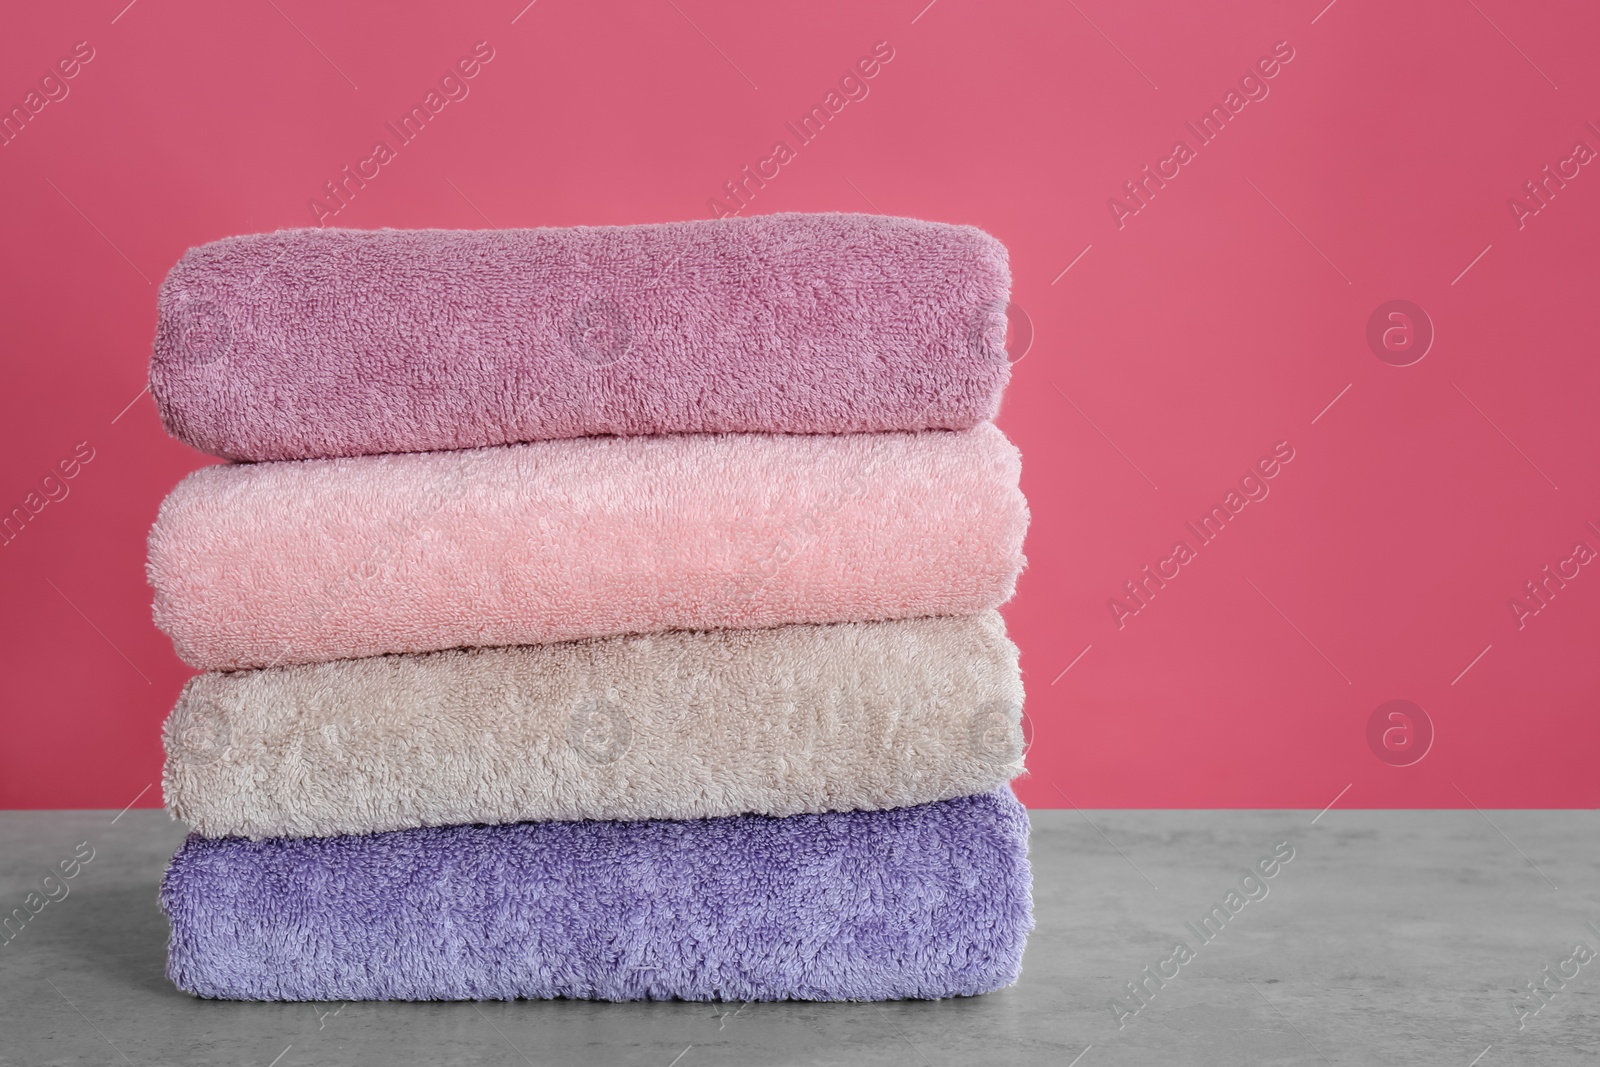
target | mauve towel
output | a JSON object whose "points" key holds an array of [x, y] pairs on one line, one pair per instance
{"points": [[927, 901], [319, 343], [278, 563], [681, 725]]}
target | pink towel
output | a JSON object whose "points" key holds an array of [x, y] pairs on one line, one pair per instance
{"points": [[277, 563], [317, 343]]}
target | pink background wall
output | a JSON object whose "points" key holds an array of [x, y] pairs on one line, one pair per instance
{"points": [[1181, 346]]}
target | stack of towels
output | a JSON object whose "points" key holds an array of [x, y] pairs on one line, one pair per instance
{"points": [[600, 612]]}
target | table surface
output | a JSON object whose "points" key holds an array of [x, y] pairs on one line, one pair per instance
{"points": [[1394, 937]]}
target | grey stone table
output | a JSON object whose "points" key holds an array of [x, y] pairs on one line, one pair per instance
{"points": [[1388, 938]]}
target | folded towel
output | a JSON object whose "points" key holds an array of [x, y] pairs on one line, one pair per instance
{"points": [[279, 563], [664, 726], [926, 901], [317, 343]]}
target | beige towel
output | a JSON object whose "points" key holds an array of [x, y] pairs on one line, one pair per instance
{"points": [[676, 725]]}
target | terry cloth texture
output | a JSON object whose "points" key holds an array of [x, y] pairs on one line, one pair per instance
{"points": [[278, 563], [664, 726], [318, 343], [927, 901]]}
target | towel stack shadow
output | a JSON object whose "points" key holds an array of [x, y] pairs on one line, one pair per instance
{"points": [[603, 613]]}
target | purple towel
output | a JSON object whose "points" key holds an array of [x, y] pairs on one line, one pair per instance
{"points": [[920, 902], [321, 343]]}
